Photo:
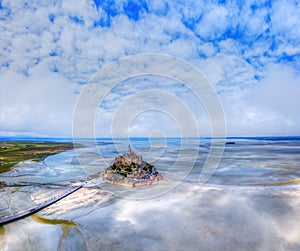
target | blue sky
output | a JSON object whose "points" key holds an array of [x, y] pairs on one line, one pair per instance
{"points": [[248, 50]]}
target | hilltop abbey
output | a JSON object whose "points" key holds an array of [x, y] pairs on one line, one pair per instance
{"points": [[130, 170], [128, 158]]}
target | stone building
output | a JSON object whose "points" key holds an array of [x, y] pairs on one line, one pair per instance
{"points": [[128, 158]]}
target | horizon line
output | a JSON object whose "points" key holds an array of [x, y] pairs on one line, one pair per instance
{"points": [[143, 138]]}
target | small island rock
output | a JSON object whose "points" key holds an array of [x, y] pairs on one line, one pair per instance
{"points": [[130, 170]]}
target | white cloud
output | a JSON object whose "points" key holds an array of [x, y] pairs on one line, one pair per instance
{"points": [[214, 23], [69, 44], [39, 104], [268, 108], [153, 103], [285, 18]]}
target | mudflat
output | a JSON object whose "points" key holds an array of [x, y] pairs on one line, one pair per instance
{"points": [[13, 152]]}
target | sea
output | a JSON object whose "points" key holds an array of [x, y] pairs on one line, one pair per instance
{"points": [[234, 161], [234, 193]]}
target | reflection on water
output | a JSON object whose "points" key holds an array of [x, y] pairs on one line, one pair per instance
{"points": [[247, 161], [254, 192]]}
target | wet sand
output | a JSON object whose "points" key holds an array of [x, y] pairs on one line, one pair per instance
{"points": [[190, 217], [251, 203]]}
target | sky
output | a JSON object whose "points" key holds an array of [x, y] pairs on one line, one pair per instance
{"points": [[248, 50]]}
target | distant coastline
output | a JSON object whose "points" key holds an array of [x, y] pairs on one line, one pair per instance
{"points": [[13, 152], [68, 139]]}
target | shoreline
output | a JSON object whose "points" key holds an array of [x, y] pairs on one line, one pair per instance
{"points": [[15, 152]]}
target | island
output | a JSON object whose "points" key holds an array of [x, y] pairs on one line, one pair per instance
{"points": [[130, 170]]}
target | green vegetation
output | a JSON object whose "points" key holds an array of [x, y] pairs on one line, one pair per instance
{"points": [[148, 168], [13, 152], [127, 170], [15, 190], [124, 169], [277, 183], [2, 230], [65, 224]]}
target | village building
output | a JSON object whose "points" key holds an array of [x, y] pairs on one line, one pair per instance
{"points": [[129, 169]]}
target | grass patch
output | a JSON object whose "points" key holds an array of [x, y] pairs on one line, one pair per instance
{"points": [[278, 183], [2, 230], [15, 190], [65, 224], [5, 167], [13, 152]]}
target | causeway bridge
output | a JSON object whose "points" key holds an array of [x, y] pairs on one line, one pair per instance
{"points": [[28, 211]]}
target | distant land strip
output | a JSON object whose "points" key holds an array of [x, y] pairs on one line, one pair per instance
{"points": [[14, 152]]}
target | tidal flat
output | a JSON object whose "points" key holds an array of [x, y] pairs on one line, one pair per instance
{"points": [[13, 152], [251, 202], [191, 217]]}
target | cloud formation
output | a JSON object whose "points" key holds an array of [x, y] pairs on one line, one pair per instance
{"points": [[249, 51]]}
